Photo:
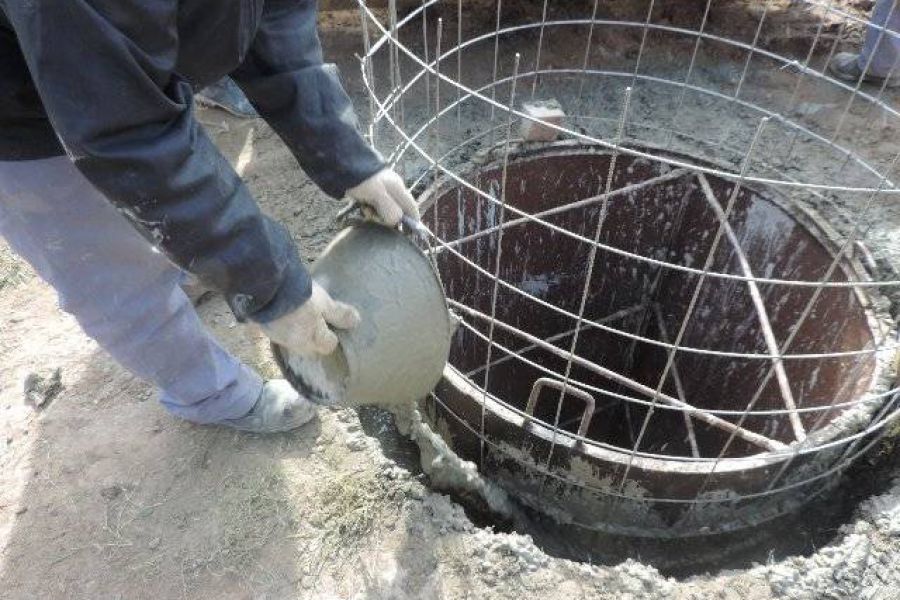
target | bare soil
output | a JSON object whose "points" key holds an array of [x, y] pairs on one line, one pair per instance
{"points": [[103, 495]]}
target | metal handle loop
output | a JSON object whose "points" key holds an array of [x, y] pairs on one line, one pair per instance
{"points": [[543, 382]]}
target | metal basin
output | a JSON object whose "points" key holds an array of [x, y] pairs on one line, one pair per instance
{"points": [[397, 353]]}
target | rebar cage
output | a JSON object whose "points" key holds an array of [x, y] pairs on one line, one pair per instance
{"points": [[675, 297]]}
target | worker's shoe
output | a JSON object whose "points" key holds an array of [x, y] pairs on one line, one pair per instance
{"points": [[226, 95], [279, 408], [846, 67]]}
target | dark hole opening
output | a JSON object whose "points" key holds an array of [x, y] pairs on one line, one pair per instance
{"points": [[671, 220]]}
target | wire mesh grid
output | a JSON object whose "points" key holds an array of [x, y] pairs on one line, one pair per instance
{"points": [[589, 334]]}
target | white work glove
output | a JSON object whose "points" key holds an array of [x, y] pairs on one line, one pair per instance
{"points": [[386, 193], [305, 331]]}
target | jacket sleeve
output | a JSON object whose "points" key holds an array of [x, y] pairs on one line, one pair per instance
{"points": [[125, 119], [302, 98]]}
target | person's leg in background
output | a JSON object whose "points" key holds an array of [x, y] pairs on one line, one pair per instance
{"points": [[226, 95], [880, 51], [882, 48], [124, 293]]}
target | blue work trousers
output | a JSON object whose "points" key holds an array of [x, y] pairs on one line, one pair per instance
{"points": [[123, 292], [881, 49]]}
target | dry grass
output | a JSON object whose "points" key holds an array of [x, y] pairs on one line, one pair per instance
{"points": [[357, 496], [13, 270], [352, 508], [255, 510]]}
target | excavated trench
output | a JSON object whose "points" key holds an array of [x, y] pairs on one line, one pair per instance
{"points": [[581, 457]]}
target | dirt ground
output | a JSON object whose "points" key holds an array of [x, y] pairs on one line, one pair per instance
{"points": [[103, 495]]}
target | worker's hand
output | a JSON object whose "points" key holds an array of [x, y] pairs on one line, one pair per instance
{"points": [[387, 194], [306, 331]]}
